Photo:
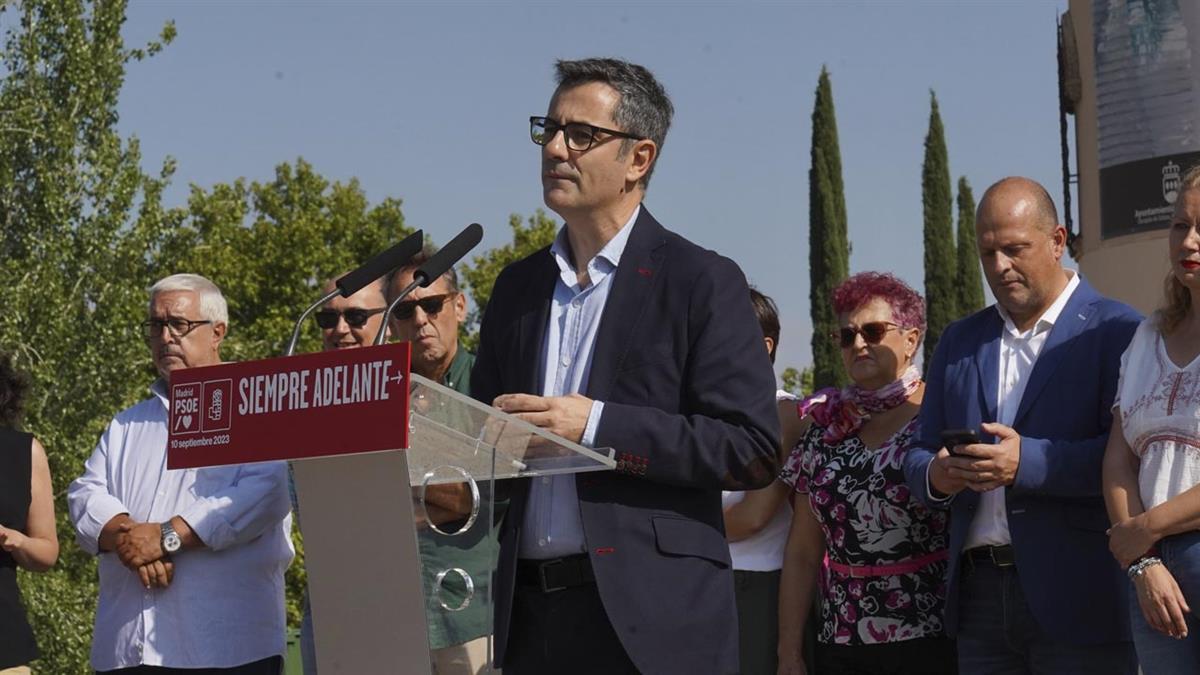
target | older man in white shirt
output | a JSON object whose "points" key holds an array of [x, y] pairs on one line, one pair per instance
{"points": [[191, 561]]}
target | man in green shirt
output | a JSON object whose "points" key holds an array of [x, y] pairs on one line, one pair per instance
{"points": [[429, 318]]}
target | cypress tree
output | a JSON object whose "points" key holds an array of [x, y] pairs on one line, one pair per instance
{"points": [[828, 242], [969, 279], [941, 264]]}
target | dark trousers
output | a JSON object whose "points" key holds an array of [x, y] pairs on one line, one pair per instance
{"points": [[268, 666], [757, 596], [921, 656], [998, 635], [561, 632]]}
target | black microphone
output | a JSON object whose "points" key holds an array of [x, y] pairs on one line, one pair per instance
{"points": [[449, 254], [436, 266], [381, 264], [369, 271]]}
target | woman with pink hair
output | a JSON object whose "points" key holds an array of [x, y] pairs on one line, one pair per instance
{"points": [[883, 589]]}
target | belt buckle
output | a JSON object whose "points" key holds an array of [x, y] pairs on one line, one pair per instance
{"points": [[546, 587], [999, 563], [858, 571]]}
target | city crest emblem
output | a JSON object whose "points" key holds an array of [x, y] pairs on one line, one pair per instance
{"points": [[1170, 181]]}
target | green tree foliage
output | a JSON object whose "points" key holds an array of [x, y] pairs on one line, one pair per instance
{"points": [[85, 234], [968, 278], [271, 245], [828, 241], [78, 217], [941, 266], [797, 382], [480, 274]]}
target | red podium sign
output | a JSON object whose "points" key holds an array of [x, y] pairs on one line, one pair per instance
{"points": [[312, 405]]}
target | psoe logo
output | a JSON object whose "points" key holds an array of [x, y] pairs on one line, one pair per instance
{"points": [[217, 413], [1170, 181], [185, 409]]}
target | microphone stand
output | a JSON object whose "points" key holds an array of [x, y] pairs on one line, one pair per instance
{"points": [[369, 271], [300, 322]]}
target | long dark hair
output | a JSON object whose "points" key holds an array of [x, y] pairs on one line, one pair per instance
{"points": [[14, 384]]}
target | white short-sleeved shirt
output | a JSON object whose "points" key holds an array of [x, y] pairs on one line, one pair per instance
{"points": [[762, 552], [1159, 404]]}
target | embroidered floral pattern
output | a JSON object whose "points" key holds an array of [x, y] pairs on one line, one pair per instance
{"points": [[1160, 416], [869, 517]]}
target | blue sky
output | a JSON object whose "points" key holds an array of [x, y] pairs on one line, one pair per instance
{"points": [[428, 102]]}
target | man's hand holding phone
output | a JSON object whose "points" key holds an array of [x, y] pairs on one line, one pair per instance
{"points": [[945, 477], [981, 466]]}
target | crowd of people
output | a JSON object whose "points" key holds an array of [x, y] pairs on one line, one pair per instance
{"points": [[1026, 502]]}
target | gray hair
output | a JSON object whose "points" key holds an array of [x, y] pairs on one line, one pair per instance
{"points": [[644, 109], [212, 303], [423, 256]]}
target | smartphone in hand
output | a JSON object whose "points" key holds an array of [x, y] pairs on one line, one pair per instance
{"points": [[952, 438]]}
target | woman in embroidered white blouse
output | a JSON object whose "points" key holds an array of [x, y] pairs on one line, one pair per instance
{"points": [[1152, 464]]}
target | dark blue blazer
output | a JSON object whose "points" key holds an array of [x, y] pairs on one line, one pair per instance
{"points": [[689, 406], [1056, 513]]}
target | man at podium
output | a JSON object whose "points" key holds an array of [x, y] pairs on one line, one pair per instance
{"points": [[625, 335]]}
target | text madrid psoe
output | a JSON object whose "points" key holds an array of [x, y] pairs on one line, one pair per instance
{"points": [[308, 388]]}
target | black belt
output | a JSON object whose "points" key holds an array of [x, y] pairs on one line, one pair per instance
{"points": [[556, 574], [1000, 556]]}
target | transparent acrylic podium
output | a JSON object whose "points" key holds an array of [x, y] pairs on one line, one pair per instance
{"points": [[400, 546]]}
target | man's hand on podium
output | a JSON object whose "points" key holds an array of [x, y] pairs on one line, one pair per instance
{"points": [[564, 416]]}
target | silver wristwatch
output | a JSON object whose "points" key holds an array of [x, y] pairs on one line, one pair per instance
{"points": [[170, 538]]}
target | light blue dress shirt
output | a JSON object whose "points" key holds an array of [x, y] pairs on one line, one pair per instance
{"points": [[224, 607], [552, 526]]}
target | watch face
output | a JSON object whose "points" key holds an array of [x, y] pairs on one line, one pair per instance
{"points": [[171, 542]]}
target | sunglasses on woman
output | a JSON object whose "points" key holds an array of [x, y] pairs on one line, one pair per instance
{"points": [[873, 333], [355, 317]]}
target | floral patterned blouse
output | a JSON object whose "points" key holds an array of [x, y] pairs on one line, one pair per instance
{"points": [[863, 505]]}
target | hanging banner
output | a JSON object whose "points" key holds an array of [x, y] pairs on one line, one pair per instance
{"points": [[1148, 108]]}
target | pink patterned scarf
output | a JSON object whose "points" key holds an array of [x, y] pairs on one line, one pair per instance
{"points": [[843, 412]]}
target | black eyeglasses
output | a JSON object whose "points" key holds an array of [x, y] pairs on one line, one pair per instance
{"points": [[430, 305], [177, 327], [872, 332], [580, 137], [355, 317]]}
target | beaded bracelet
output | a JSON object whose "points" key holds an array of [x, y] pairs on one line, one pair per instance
{"points": [[1138, 568]]}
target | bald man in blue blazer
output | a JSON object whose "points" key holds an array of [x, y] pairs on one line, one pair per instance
{"points": [[1032, 587]]}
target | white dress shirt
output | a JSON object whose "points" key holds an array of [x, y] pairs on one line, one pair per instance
{"points": [[553, 527], [1019, 352], [224, 607]]}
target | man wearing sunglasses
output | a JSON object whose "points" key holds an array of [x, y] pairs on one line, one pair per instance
{"points": [[353, 321], [622, 335], [429, 318]]}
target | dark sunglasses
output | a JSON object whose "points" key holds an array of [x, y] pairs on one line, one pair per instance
{"points": [[872, 332], [355, 317], [430, 305]]}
